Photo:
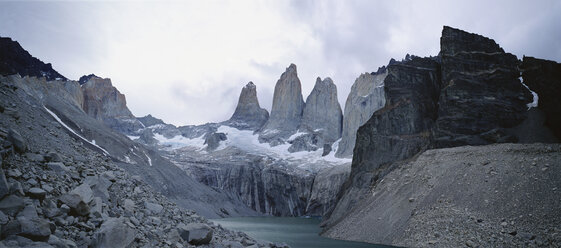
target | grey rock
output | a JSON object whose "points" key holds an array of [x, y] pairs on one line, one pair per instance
{"points": [[195, 233], [35, 157], [248, 114], [153, 208], [113, 233], [16, 189], [14, 173], [17, 141], [327, 184], [322, 112], [36, 229], [129, 205], [11, 204], [4, 188], [212, 140], [58, 167], [326, 150], [97, 207], [99, 186], [306, 142], [366, 96], [37, 193], [287, 109], [53, 157], [61, 243], [3, 218], [78, 200]]}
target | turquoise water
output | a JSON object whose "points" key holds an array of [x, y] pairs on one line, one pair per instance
{"points": [[296, 232]]}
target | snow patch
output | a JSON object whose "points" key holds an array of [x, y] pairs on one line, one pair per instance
{"points": [[534, 103], [71, 130], [148, 157], [131, 137], [180, 141]]}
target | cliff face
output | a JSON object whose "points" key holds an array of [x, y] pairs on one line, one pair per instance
{"points": [[544, 77], [322, 112], [248, 114], [397, 131], [16, 60], [481, 93], [366, 96], [286, 112], [104, 102]]}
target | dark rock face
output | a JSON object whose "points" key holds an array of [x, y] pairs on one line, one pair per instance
{"points": [[397, 131], [248, 114], [195, 233], [104, 102], [544, 77], [480, 91], [150, 120], [322, 112], [470, 95], [212, 140], [286, 112], [14, 59]]}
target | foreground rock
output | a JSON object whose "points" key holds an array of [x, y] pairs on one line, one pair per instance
{"points": [[195, 234], [484, 196]]}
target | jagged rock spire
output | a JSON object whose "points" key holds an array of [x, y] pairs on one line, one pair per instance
{"points": [[248, 113]]}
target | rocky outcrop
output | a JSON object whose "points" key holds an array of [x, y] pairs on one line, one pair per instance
{"points": [[398, 131], [322, 113], [481, 92], [544, 77], [105, 103], [248, 114], [286, 112], [16, 60], [150, 120], [366, 96], [327, 184]]}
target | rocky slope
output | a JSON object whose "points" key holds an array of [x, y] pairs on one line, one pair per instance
{"points": [[16, 60], [248, 114], [503, 195], [470, 94], [366, 96], [59, 188], [105, 103], [287, 108]]}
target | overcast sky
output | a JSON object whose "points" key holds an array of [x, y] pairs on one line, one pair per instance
{"points": [[186, 62]]}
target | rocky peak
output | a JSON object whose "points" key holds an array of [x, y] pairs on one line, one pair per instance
{"points": [[248, 113], [150, 120], [16, 60], [322, 111], [288, 105], [104, 102], [366, 96], [84, 79], [455, 40]]}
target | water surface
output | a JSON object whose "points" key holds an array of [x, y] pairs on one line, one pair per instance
{"points": [[296, 232]]}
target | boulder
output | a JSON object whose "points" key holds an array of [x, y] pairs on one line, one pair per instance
{"points": [[195, 233], [37, 193], [57, 167], [78, 200], [53, 157], [113, 233], [11, 204], [248, 114], [4, 187], [153, 208], [36, 229], [17, 141]]}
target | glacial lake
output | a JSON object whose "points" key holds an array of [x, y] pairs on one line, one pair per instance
{"points": [[295, 232]]}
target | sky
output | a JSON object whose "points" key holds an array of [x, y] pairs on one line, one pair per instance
{"points": [[186, 61]]}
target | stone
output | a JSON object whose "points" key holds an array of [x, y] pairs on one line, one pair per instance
{"points": [[3, 218], [36, 229], [61, 243], [53, 157], [212, 140], [16, 189], [322, 112], [37, 193], [4, 187], [287, 109], [326, 150], [153, 208], [248, 114], [11, 204], [129, 205], [99, 186], [97, 207], [195, 233], [78, 200], [58, 167], [35, 157], [366, 96], [17, 141], [113, 233]]}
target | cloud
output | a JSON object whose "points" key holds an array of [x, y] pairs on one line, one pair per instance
{"points": [[186, 62]]}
